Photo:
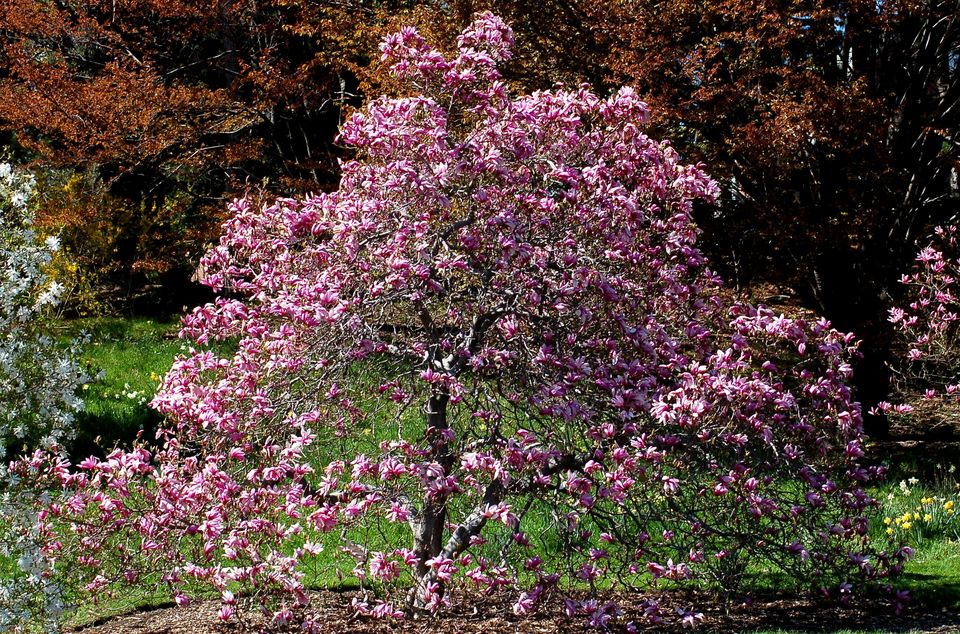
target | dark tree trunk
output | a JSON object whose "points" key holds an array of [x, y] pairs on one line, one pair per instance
{"points": [[850, 297], [429, 526]]}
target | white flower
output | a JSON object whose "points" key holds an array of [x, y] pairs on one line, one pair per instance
{"points": [[40, 379]]}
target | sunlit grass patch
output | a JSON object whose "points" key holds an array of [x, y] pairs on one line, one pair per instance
{"points": [[127, 358], [923, 511]]}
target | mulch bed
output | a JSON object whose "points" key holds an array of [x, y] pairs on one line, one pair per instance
{"points": [[488, 617]]}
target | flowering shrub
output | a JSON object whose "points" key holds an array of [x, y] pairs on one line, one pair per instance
{"points": [[930, 319], [929, 323], [927, 382], [38, 384], [493, 359]]}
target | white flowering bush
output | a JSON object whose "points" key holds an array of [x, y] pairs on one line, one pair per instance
{"points": [[38, 400]]}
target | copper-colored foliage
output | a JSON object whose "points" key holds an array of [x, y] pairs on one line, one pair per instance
{"points": [[175, 104], [142, 83], [834, 123]]}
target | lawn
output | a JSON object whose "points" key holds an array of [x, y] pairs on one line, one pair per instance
{"points": [[126, 358]]}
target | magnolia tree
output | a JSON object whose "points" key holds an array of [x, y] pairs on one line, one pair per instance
{"points": [[493, 360], [929, 324], [38, 387]]}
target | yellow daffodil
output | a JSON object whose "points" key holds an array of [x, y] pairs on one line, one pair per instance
{"points": [[927, 517], [907, 526], [889, 531], [926, 501], [948, 505], [887, 521]]}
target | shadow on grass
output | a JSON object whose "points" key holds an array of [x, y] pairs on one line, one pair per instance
{"points": [[934, 590], [99, 432]]}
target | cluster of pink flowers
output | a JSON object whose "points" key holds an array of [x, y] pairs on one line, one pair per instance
{"points": [[494, 358], [929, 322]]}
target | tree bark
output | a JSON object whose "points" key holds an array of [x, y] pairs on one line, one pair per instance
{"points": [[428, 527]]}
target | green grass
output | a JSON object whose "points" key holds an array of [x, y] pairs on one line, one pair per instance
{"points": [[127, 358], [914, 505], [134, 599], [933, 577]]}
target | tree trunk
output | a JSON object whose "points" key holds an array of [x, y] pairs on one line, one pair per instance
{"points": [[429, 525], [854, 302]]}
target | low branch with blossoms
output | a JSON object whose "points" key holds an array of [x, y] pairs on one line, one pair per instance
{"points": [[494, 360]]}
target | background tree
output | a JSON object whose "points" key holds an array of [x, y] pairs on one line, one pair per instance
{"points": [[161, 106]]}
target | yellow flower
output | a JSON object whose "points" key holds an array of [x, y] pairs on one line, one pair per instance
{"points": [[949, 511], [887, 521], [927, 517], [948, 505], [916, 516], [926, 501], [889, 531], [907, 526]]}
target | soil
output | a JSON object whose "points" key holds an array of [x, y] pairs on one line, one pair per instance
{"points": [[486, 617]]}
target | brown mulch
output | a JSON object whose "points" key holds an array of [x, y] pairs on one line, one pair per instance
{"points": [[486, 617]]}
